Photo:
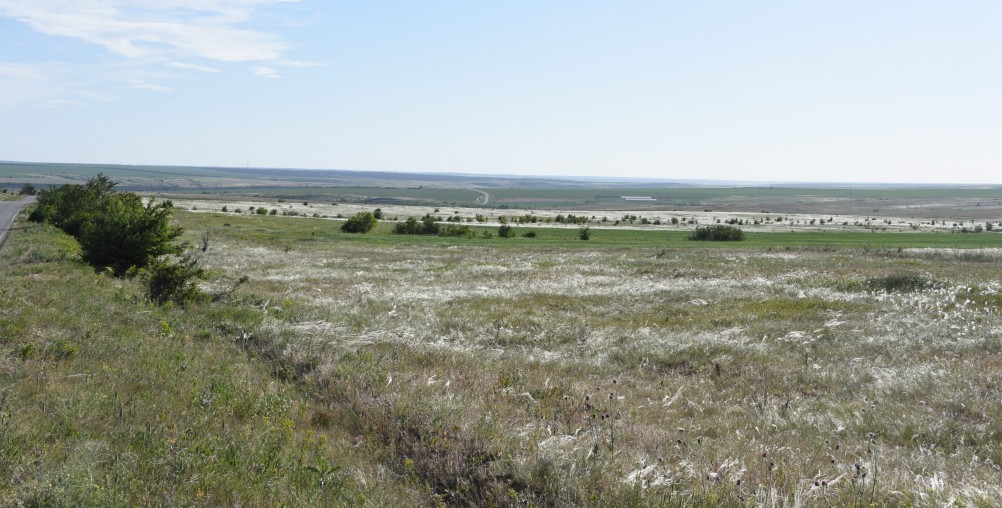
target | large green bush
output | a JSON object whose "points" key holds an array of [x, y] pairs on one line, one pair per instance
{"points": [[361, 222], [127, 234], [718, 233], [117, 231], [68, 207]]}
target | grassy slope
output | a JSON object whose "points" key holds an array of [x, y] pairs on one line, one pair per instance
{"points": [[106, 401]]}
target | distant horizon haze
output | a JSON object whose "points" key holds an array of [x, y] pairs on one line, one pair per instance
{"points": [[707, 182]]}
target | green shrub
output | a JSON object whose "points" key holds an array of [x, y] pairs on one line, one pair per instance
{"points": [[506, 231], [717, 233], [169, 280], [127, 234], [68, 207], [361, 222], [262, 211], [584, 233], [411, 226], [529, 234], [456, 230]]}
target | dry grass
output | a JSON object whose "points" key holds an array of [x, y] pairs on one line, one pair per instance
{"points": [[462, 373], [579, 376]]}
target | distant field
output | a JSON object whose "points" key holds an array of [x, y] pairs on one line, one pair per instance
{"points": [[967, 201], [417, 195], [86, 171], [293, 229], [954, 203]]}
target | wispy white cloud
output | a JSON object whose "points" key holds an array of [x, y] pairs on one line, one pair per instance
{"points": [[207, 29], [299, 64], [58, 103], [266, 72], [146, 85], [201, 68], [12, 70]]}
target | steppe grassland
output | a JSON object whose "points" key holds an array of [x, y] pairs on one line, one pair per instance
{"points": [[739, 375]]}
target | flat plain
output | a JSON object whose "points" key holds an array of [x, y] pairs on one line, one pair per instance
{"points": [[843, 362]]}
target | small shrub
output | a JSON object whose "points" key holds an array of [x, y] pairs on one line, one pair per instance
{"points": [[584, 233], [718, 233], [61, 349], [899, 283], [262, 211], [456, 230], [361, 222], [173, 281], [427, 226], [506, 231], [27, 351], [529, 234]]}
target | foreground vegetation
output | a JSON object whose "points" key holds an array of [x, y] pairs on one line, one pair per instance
{"points": [[636, 368]]}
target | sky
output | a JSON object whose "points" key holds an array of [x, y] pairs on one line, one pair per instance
{"points": [[798, 90]]}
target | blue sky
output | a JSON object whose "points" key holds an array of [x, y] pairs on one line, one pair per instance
{"points": [[867, 91]]}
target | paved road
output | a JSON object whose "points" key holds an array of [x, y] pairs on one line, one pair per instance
{"points": [[8, 212]]}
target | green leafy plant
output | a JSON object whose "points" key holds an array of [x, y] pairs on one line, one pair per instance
{"points": [[173, 280], [505, 230], [361, 222], [126, 234], [68, 207]]}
